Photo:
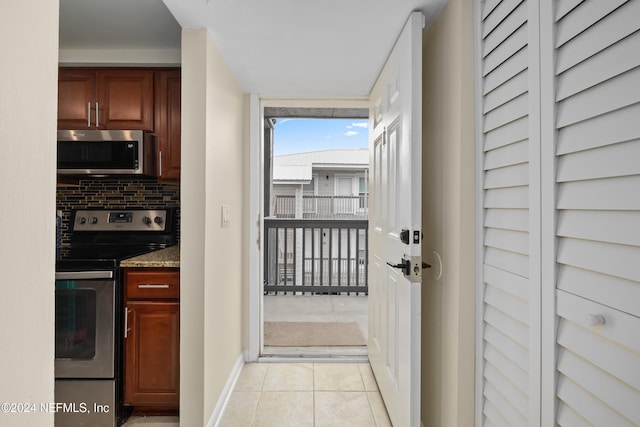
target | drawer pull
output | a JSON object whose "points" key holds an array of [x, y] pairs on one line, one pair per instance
{"points": [[594, 320], [152, 286]]}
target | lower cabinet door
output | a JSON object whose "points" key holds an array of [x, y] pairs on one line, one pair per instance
{"points": [[152, 354]]}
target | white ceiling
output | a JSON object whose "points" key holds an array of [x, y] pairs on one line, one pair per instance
{"points": [[294, 48]]}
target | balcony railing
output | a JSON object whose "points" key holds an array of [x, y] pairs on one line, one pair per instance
{"points": [[316, 256], [321, 207]]}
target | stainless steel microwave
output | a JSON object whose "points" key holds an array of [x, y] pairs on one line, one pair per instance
{"points": [[106, 152]]}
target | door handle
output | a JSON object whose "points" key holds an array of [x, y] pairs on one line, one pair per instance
{"points": [[405, 266]]}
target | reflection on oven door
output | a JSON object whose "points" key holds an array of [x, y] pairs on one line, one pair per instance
{"points": [[84, 339]]}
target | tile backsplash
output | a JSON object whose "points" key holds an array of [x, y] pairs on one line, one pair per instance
{"points": [[113, 193]]}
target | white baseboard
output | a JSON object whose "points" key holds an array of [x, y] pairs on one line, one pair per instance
{"points": [[216, 415]]}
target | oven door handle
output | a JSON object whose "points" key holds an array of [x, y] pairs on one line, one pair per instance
{"points": [[79, 275]]}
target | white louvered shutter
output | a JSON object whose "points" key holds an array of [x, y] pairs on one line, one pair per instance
{"points": [[559, 316], [597, 64], [505, 347]]}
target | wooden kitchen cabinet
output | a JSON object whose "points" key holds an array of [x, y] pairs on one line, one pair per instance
{"points": [[90, 98], [152, 338], [168, 124]]}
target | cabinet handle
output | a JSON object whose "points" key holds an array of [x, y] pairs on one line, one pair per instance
{"points": [[126, 321], [594, 320], [88, 114], [160, 162], [153, 286], [97, 116]]}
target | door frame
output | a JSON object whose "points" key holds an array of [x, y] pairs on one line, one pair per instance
{"points": [[255, 215]]}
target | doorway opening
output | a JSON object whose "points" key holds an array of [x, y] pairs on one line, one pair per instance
{"points": [[315, 275]]}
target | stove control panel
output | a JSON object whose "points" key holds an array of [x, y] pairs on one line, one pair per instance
{"points": [[124, 220]]}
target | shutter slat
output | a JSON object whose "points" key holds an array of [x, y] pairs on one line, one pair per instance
{"points": [[508, 357], [507, 27], [507, 282], [493, 415], [596, 256], [495, 385], [508, 176], [498, 14], [509, 134], [565, 6], [621, 227], [600, 194], [602, 162], [567, 417], [619, 361], [603, 66], [508, 261], [591, 408], [603, 98], [507, 70], [488, 6], [616, 26], [611, 128], [506, 372], [512, 241], [613, 393], [507, 219], [505, 50], [507, 113], [506, 303], [583, 17], [507, 198], [511, 89], [514, 331], [512, 154], [611, 291]]}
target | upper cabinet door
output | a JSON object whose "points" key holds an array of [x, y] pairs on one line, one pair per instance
{"points": [[76, 99], [168, 124], [105, 99], [125, 99]]}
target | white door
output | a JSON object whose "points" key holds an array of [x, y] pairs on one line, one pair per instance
{"points": [[344, 190], [395, 165]]}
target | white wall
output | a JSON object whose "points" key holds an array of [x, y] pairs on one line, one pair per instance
{"points": [[211, 255], [448, 325], [28, 109], [120, 57]]}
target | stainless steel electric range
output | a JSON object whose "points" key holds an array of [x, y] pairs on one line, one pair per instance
{"points": [[88, 307]]}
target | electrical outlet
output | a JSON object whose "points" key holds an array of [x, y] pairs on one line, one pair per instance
{"points": [[226, 215]]}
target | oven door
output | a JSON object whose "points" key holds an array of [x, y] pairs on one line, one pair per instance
{"points": [[85, 325]]}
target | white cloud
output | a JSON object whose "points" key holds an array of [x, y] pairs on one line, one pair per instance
{"points": [[360, 124], [350, 133]]}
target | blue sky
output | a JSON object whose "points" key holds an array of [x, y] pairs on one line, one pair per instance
{"points": [[302, 135]]}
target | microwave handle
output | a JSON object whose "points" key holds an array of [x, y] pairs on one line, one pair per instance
{"points": [[160, 162], [88, 114]]}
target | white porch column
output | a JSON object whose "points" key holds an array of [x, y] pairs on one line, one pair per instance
{"points": [[299, 251]]}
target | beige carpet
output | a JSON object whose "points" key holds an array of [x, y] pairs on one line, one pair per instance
{"points": [[312, 334]]}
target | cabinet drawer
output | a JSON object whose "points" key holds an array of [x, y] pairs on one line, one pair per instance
{"points": [[153, 283]]}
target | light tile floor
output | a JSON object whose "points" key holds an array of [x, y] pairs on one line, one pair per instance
{"points": [[152, 422], [305, 394]]}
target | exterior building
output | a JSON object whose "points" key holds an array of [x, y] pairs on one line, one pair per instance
{"points": [[331, 187], [329, 184]]}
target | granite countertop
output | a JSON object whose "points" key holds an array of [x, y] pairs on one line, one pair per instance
{"points": [[169, 257]]}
